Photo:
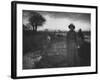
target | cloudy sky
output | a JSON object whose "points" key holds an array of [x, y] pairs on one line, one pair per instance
{"points": [[61, 20]]}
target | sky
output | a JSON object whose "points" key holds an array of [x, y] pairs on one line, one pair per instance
{"points": [[61, 20]]}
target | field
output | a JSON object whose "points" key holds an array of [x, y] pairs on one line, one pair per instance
{"points": [[48, 50]]}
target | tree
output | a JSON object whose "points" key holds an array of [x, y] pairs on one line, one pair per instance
{"points": [[36, 20]]}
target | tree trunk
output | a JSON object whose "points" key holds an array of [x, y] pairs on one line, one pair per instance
{"points": [[35, 27]]}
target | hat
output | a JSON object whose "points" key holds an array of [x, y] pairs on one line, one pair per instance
{"points": [[71, 25]]}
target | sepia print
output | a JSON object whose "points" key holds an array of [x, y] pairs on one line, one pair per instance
{"points": [[56, 39], [53, 39]]}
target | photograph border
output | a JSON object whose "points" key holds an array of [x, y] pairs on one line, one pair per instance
{"points": [[14, 37]]}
